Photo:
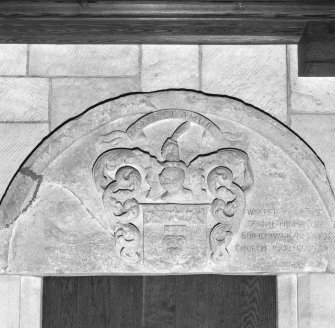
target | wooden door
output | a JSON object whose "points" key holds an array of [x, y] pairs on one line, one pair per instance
{"points": [[193, 301]]}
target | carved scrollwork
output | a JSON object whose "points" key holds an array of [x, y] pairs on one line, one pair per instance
{"points": [[117, 196], [228, 208], [173, 172], [120, 186], [126, 211], [116, 166], [229, 204], [220, 238], [127, 241], [127, 181]]}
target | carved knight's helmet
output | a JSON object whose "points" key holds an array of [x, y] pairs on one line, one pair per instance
{"points": [[173, 175], [170, 150]]}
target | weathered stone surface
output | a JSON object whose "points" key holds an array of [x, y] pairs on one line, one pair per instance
{"points": [[71, 96], [83, 60], [167, 182], [310, 94], [24, 99], [13, 59], [17, 140], [31, 302], [287, 300], [319, 132], [10, 301], [170, 66], [316, 300], [255, 74]]}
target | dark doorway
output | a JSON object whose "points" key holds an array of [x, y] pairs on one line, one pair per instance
{"points": [[193, 301]]}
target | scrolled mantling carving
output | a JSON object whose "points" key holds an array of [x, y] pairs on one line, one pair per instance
{"points": [[121, 183], [174, 181], [228, 208]]}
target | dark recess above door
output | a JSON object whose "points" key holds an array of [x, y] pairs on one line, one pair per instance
{"points": [[310, 24]]}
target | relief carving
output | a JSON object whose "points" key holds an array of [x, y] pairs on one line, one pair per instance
{"points": [[141, 181], [229, 202], [127, 240], [117, 197], [220, 238], [174, 240], [135, 185], [228, 208], [135, 132]]}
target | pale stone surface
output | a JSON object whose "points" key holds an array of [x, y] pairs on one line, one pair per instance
{"points": [[170, 66], [287, 301], [31, 299], [13, 59], [169, 182], [10, 301], [71, 96], [254, 73], [17, 140], [310, 94], [319, 132], [316, 301], [83, 60], [24, 99]]}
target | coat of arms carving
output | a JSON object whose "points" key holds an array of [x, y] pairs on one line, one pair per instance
{"points": [[171, 202]]}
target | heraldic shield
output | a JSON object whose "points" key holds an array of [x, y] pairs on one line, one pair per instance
{"points": [[166, 198]]}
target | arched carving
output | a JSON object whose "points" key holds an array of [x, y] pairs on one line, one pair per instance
{"points": [[171, 181]]}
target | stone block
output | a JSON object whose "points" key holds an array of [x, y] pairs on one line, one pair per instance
{"points": [[83, 60], [310, 94], [31, 299], [319, 132], [287, 301], [17, 140], [13, 59], [316, 301], [10, 301], [170, 66], [24, 99], [71, 96], [254, 73]]}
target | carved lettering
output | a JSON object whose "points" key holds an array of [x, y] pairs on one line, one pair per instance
{"points": [[262, 211], [150, 118], [255, 248]]}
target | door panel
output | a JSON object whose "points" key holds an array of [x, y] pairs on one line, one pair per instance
{"points": [[92, 302], [193, 301]]}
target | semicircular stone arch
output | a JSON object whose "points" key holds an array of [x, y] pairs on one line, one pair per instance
{"points": [[169, 182]]}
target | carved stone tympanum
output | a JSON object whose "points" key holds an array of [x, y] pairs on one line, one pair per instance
{"points": [[173, 181]]}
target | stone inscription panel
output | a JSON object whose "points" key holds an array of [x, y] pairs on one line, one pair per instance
{"points": [[297, 239]]}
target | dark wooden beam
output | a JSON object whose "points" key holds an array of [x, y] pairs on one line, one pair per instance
{"points": [[261, 9], [186, 22], [148, 30], [55, 21], [316, 50]]}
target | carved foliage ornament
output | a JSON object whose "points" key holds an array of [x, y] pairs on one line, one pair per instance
{"points": [[138, 183]]}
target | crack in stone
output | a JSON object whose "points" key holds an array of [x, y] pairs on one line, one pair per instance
{"points": [[36, 181]]}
